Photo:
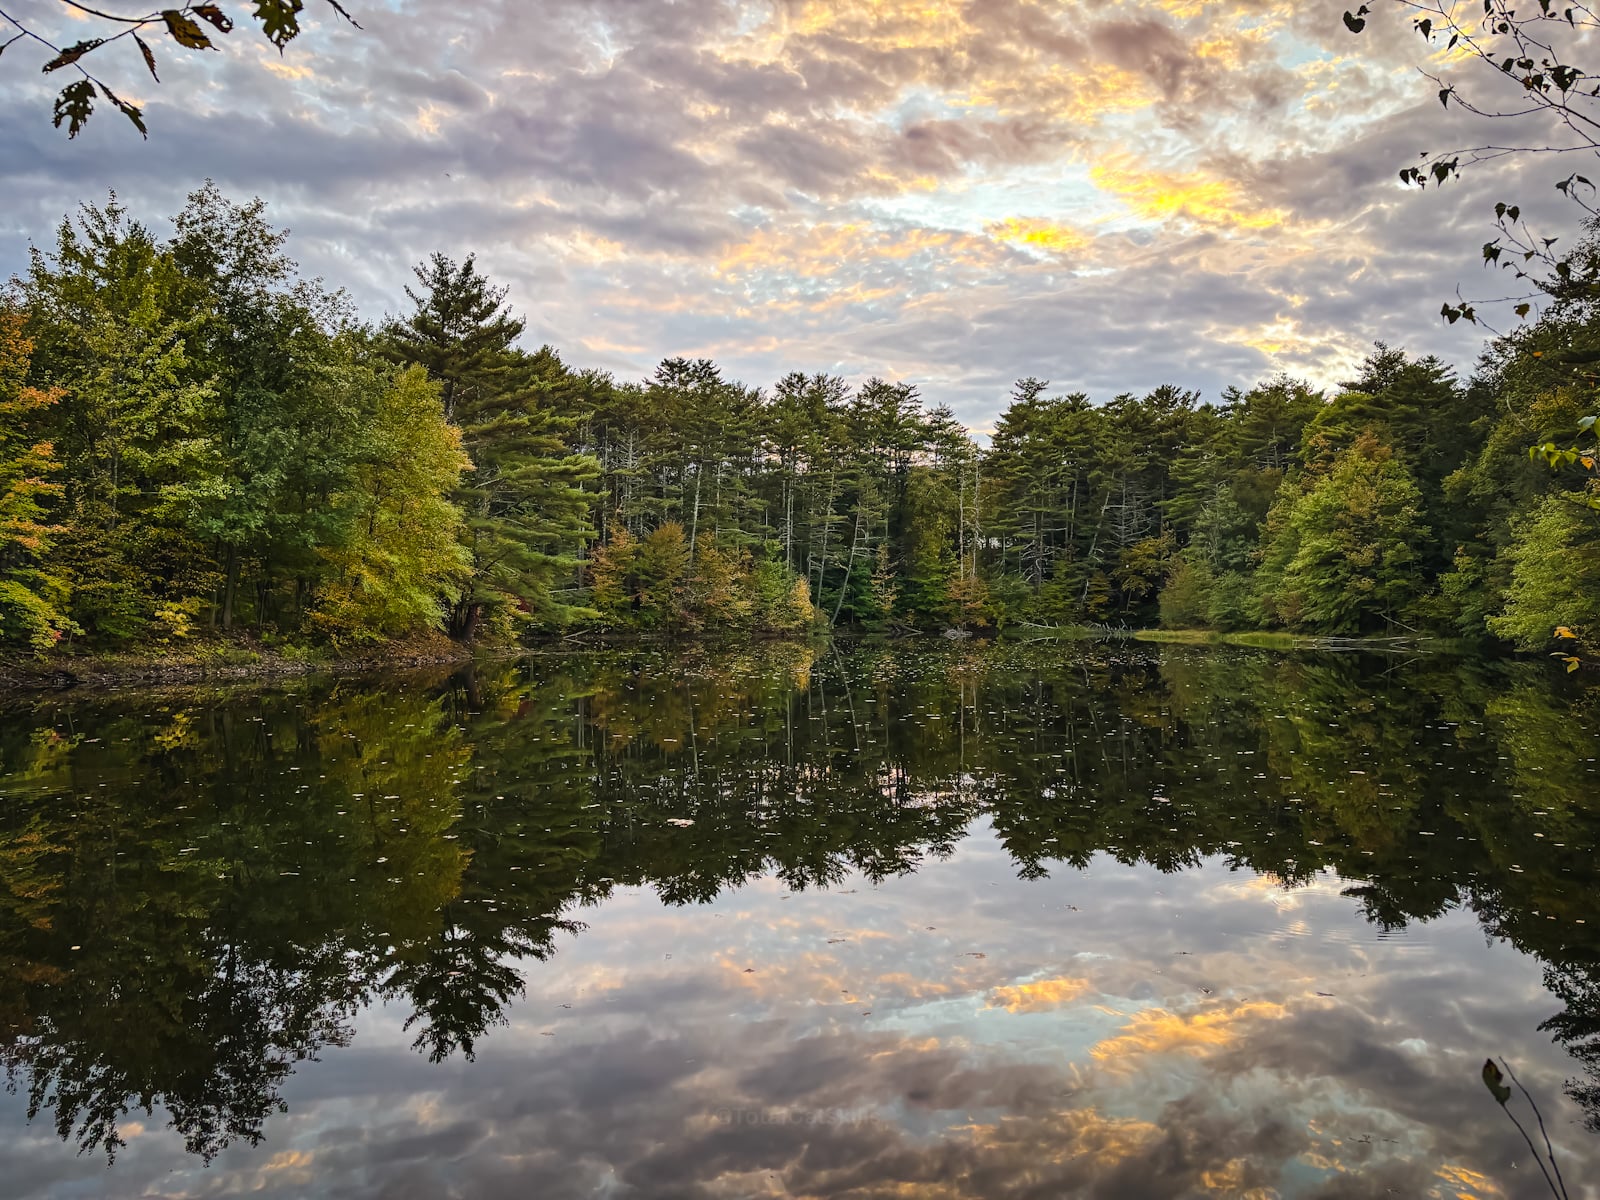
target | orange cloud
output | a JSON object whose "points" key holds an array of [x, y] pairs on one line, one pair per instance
{"points": [[1194, 197], [1469, 1184], [885, 24]]}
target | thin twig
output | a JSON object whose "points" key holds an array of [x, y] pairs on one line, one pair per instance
{"points": [[1533, 1151], [1540, 1118]]}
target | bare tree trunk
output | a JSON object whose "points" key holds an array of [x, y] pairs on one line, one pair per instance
{"points": [[1094, 542], [849, 566], [827, 522], [978, 514], [961, 523], [788, 521], [694, 521], [231, 588]]}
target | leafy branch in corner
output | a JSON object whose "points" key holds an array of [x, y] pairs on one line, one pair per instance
{"points": [[1529, 68], [186, 26]]}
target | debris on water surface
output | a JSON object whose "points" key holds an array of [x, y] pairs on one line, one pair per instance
{"points": [[679, 822]]}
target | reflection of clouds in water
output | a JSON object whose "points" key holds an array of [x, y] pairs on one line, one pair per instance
{"points": [[1041, 995], [1159, 1031], [1078, 1058]]}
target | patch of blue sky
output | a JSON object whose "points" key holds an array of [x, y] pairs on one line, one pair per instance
{"points": [[750, 19], [1071, 1031], [1062, 193], [918, 103]]}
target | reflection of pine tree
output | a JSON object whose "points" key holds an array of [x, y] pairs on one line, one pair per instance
{"points": [[528, 838]]}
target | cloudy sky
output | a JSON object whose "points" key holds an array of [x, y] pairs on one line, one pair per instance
{"points": [[956, 192]]}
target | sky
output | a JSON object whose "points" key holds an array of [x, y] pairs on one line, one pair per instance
{"points": [[958, 193]]}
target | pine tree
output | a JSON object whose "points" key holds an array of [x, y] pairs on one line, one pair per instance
{"points": [[460, 329], [137, 426], [527, 510]]}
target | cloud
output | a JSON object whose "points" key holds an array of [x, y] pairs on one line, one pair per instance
{"points": [[1039, 233], [1193, 197]]}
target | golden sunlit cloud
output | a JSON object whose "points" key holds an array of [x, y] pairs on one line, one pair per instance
{"points": [[1080, 1133], [1068, 94], [1194, 197], [968, 62], [1228, 1178], [286, 70], [1039, 234], [885, 24], [1039, 996]]}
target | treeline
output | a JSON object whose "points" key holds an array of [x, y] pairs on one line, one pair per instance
{"points": [[193, 436]]}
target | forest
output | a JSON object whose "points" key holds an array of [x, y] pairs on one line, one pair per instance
{"points": [[198, 442]]}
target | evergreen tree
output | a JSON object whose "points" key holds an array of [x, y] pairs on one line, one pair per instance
{"points": [[136, 425], [460, 329], [527, 513], [1555, 576]]}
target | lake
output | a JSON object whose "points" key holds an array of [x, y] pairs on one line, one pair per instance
{"points": [[1048, 920]]}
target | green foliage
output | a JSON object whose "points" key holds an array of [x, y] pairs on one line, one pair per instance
{"points": [[229, 447], [1343, 554], [226, 447], [525, 505], [402, 556], [1555, 575], [1186, 599]]}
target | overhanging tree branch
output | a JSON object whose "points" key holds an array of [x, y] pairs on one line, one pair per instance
{"points": [[186, 26]]}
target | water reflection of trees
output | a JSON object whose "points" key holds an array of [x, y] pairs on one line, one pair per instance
{"points": [[199, 893]]}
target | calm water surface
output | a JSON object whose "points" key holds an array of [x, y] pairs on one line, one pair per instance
{"points": [[1048, 921]]}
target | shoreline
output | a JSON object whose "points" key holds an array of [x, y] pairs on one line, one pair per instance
{"points": [[244, 661]]}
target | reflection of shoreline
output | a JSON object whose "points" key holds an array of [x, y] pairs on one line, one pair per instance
{"points": [[236, 875], [237, 665]]}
